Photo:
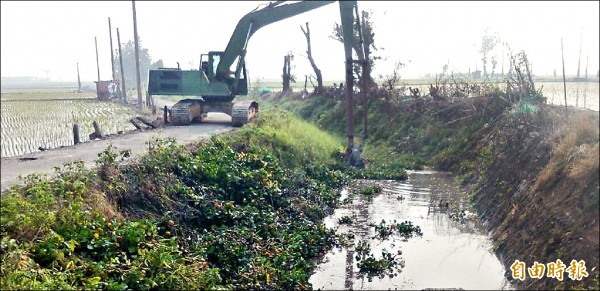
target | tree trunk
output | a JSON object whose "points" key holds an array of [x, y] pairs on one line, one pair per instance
{"points": [[286, 74], [146, 122], [305, 82], [318, 74], [135, 123], [165, 115], [76, 138], [97, 130]]}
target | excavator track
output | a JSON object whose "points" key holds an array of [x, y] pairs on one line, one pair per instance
{"points": [[243, 112], [186, 111]]}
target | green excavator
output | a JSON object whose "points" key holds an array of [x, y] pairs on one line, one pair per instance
{"points": [[214, 86]]}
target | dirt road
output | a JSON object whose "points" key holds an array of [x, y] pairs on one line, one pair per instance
{"points": [[44, 162]]}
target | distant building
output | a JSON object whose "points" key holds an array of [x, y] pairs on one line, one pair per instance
{"points": [[105, 90]]}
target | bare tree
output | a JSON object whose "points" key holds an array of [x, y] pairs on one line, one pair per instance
{"points": [[318, 74], [391, 81], [488, 43], [367, 26], [287, 73], [494, 63]]}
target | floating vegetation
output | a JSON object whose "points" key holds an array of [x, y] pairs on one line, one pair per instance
{"points": [[405, 229], [370, 190], [462, 216], [345, 220], [389, 264], [362, 248]]}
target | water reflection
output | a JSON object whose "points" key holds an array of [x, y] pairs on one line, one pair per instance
{"points": [[452, 253]]}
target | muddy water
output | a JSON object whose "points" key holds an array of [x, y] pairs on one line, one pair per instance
{"points": [[452, 253]]}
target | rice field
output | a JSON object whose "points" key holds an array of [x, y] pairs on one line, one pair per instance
{"points": [[30, 119], [579, 94]]}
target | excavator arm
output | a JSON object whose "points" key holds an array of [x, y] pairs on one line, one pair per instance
{"points": [[276, 11]]}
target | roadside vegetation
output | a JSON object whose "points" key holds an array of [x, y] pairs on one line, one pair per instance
{"points": [[238, 211]]}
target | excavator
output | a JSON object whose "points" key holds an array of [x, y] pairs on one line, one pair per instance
{"points": [[214, 86]]}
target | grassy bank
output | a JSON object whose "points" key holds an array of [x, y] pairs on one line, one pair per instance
{"points": [[238, 211], [531, 172]]}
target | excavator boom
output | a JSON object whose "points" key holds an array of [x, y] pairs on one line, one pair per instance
{"points": [[256, 20]]}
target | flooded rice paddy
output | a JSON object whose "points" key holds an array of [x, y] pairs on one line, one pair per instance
{"points": [[33, 120], [579, 94], [453, 252]]}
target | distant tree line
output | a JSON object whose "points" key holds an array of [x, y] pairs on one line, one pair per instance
{"points": [[146, 64]]}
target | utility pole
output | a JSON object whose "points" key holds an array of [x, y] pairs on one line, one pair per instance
{"points": [[587, 59], [97, 62], [112, 56], [78, 80], [122, 72], [137, 58], [503, 58], [564, 78], [579, 62]]}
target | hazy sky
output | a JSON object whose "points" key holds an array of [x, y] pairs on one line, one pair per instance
{"points": [[48, 38]]}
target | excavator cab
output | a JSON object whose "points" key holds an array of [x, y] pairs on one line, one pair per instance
{"points": [[238, 87], [203, 82], [204, 65], [209, 63]]}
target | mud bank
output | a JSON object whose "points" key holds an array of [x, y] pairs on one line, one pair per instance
{"points": [[534, 181]]}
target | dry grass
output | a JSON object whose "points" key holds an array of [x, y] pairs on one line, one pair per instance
{"points": [[540, 193], [102, 205], [575, 151], [586, 158]]}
